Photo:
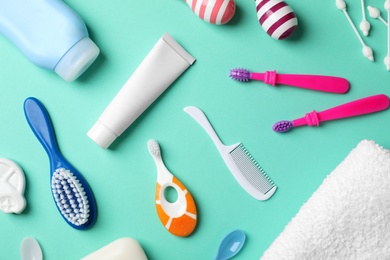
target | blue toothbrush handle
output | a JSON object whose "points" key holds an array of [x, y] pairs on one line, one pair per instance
{"points": [[40, 123]]}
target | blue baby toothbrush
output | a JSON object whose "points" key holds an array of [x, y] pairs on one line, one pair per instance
{"points": [[72, 195]]}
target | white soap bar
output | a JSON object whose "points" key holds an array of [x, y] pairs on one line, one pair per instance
{"points": [[121, 249]]}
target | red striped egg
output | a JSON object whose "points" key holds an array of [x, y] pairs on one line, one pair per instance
{"points": [[277, 18], [213, 11]]}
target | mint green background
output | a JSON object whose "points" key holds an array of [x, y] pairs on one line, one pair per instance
{"points": [[123, 177]]}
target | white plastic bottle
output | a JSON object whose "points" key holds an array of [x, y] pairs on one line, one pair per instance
{"points": [[50, 34]]}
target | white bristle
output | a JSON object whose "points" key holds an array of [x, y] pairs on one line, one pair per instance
{"points": [[251, 170], [65, 187], [153, 147]]}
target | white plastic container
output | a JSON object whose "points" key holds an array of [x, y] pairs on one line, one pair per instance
{"points": [[165, 62], [50, 34]]}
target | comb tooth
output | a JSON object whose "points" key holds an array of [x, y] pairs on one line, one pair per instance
{"points": [[251, 170]]}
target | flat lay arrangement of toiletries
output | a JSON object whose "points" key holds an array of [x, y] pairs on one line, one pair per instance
{"points": [[194, 129]]}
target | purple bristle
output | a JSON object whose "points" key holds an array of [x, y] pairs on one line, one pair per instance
{"points": [[240, 74], [282, 126]]}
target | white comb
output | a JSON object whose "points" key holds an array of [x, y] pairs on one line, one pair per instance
{"points": [[242, 165]]}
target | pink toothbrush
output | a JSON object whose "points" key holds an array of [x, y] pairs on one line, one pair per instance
{"points": [[313, 82], [355, 108]]}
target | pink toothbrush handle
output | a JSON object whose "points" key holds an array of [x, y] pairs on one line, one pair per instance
{"points": [[315, 82], [355, 108]]}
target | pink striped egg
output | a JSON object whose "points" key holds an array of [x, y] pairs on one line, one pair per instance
{"points": [[277, 18], [213, 11]]}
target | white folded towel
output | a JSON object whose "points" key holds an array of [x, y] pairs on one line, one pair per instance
{"points": [[348, 217]]}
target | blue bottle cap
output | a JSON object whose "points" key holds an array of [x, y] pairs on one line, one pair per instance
{"points": [[77, 59]]}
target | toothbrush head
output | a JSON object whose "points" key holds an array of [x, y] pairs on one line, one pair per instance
{"points": [[282, 126], [154, 147], [240, 74], [73, 198]]}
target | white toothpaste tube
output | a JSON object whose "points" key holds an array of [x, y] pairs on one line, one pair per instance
{"points": [[164, 64]]}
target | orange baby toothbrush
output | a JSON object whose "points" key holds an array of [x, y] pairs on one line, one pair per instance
{"points": [[178, 217]]}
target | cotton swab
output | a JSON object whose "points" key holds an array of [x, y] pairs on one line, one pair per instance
{"points": [[364, 25], [367, 51], [376, 14], [387, 59]]}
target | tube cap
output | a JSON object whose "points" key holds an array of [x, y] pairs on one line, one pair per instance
{"points": [[101, 135], [77, 59]]}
